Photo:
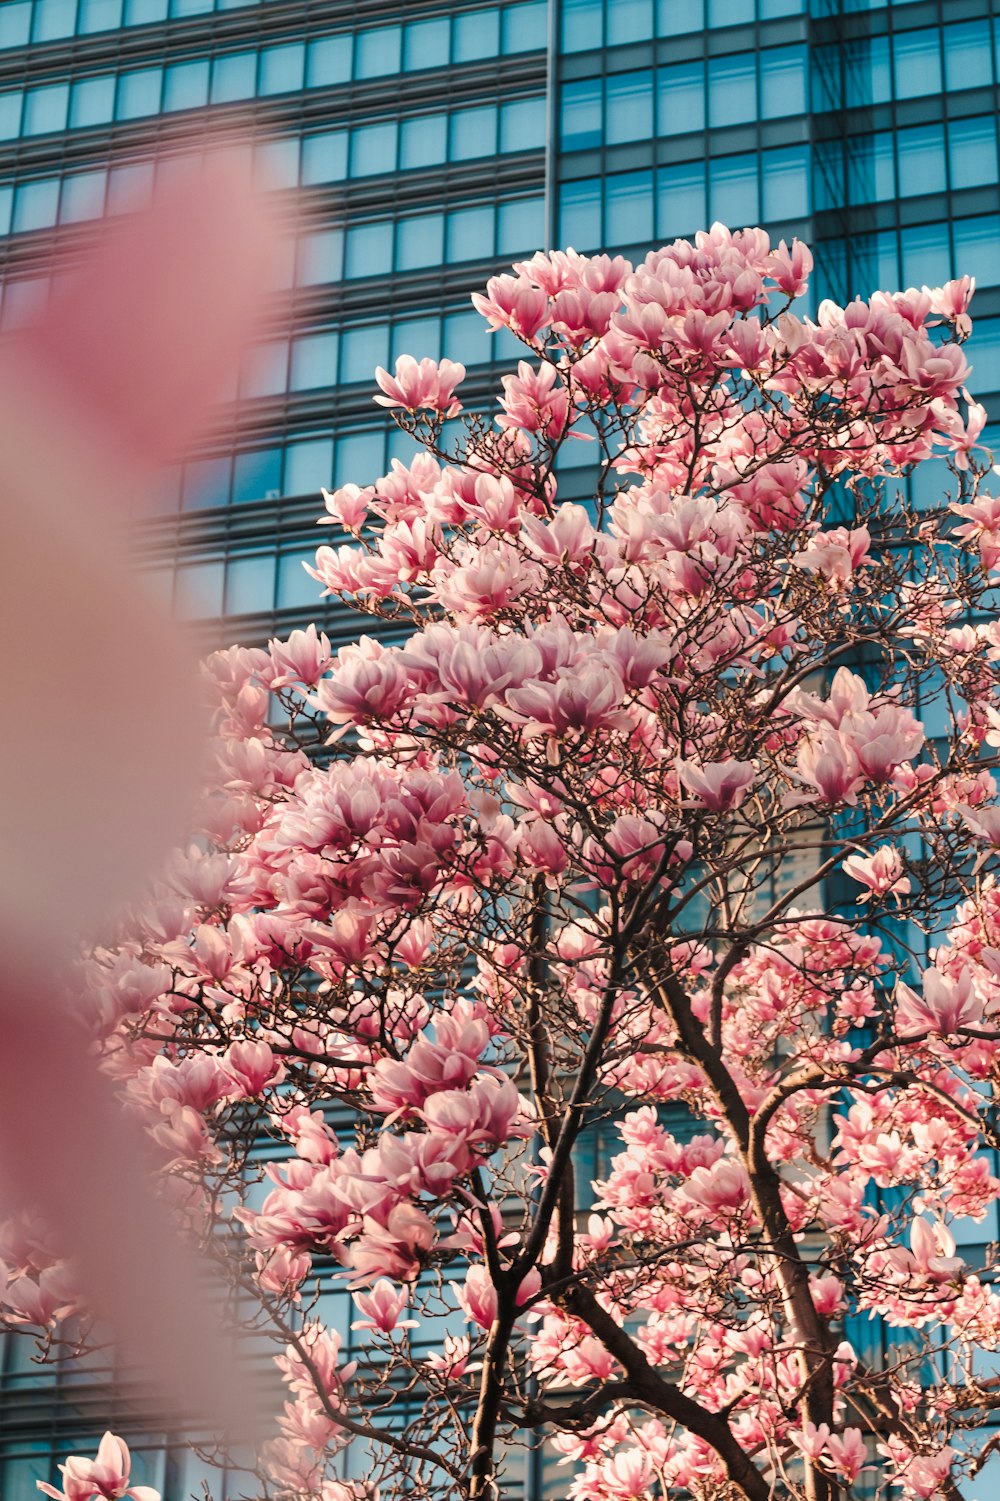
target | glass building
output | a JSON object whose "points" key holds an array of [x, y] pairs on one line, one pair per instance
{"points": [[429, 145]]}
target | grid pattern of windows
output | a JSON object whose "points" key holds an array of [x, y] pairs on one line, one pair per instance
{"points": [[40, 21]]}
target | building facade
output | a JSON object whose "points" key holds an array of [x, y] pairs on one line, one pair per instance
{"points": [[427, 145]]}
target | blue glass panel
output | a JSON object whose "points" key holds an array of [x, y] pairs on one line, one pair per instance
{"points": [[324, 157], [426, 43], [525, 26], [874, 263], [522, 125], [420, 337], [15, 23], [297, 589], [732, 90], [257, 475], [916, 57], [314, 361], [629, 107], [520, 226], [264, 370], [328, 60], [320, 258], [423, 141], [867, 75], [472, 133], [984, 356], [419, 241], [45, 109], [678, 17], [362, 348], [467, 339], [785, 184], [308, 466], [142, 12], [185, 85], [92, 101], [373, 149], [82, 196], [206, 483], [475, 35], [582, 25], [680, 99], [972, 152], [180, 8], [378, 52], [871, 173], [198, 590], [360, 456], [10, 115], [629, 21], [139, 93], [769, 10], [234, 76], [729, 12], [470, 233], [977, 249], [580, 214], [6, 209], [680, 201], [926, 260], [99, 15], [282, 69], [968, 62], [733, 191], [580, 115], [250, 584], [36, 204], [783, 74], [53, 19], [628, 208], [921, 160]]}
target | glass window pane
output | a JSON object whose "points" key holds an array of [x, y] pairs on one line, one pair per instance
{"points": [[472, 133], [525, 26], [678, 17], [15, 23], [785, 180], [308, 466], [783, 82], [967, 55], [53, 19], [142, 12], [362, 348], [729, 12], [314, 361], [629, 107], [580, 214], [360, 456], [680, 99], [10, 114], [521, 226], [925, 257], [6, 209], [471, 233], [45, 109], [296, 588], [474, 35], [324, 157], [732, 90], [580, 115], [185, 85], [36, 204], [189, 7], [628, 208], [425, 44], [264, 370], [373, 149], [467, 339], [629, 21], [92, 101], [733, 191], [234, 76], [320, 258], [138, 93], [680, 201], [257, 475], [130, 186], [250, 584], [870, 168], [867, 76], [921, 160], [99, 15], [329, 60], [916, 57], [972, 152], [369, 250], [874, 262], [420, 337], [198, 590], [522, 125], [423, 141], [984, 356], [378, 52], [82, 196], [206, 483], [977, 249], [281, 68], [582, 25]]}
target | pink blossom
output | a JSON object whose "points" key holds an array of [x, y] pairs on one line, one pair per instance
{"points": [[943, 1005], [717, 785], [881, 872], [381, 1308], [105, 1477], [429, 384]]}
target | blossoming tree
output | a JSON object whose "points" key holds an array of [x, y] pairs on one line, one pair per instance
{"points": [[645, 812]]}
